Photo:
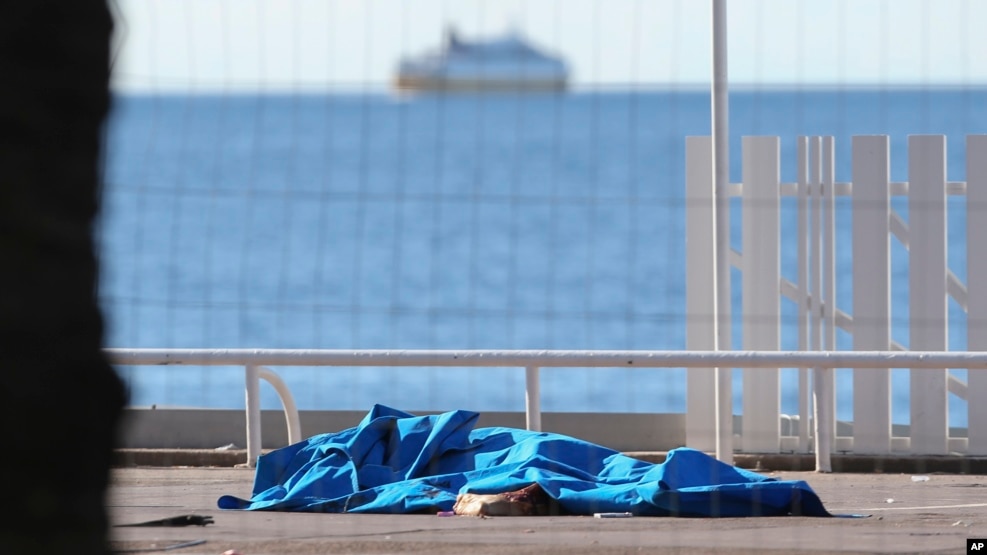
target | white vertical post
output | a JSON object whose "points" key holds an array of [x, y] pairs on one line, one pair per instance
{"points": [[871, 292], [532, 398], [829, 235], [927, 289], [700, 292], [761, 299], [815, 179], [815, 305], [823, 386], [976, 283], [720, 119], [252, 393], [803, 277]]}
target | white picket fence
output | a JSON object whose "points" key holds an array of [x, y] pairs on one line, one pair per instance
{"points": [[874, 222]]}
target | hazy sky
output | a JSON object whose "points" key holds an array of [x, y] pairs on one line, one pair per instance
{"points": [[321, 44]]}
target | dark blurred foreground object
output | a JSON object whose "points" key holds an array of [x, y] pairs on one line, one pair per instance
{"points": [[60, 400]]}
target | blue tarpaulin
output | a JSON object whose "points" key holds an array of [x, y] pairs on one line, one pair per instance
{"points": [[394, 462]]}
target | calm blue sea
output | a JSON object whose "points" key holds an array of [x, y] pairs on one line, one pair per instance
{"points": [[454, 222]]}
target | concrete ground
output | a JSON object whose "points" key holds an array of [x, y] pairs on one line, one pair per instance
{"points": [[908, 515]]}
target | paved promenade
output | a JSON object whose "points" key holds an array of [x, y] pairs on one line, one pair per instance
{"points": [[930, 516]]}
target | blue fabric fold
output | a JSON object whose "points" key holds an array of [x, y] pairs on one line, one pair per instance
{"points": [[395, 462]]}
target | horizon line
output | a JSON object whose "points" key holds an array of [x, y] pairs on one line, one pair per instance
{"points": [[368, 87]]}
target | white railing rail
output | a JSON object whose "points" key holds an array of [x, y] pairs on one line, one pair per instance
{"points": [[531, 360], [874, 223]]}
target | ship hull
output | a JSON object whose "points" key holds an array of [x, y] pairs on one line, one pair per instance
{"points": [[419, 83]]}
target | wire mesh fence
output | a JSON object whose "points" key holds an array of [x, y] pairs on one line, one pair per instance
{"points": [[511, 175], [269, 186]]}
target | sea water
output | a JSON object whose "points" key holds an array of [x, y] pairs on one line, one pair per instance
{"points": [[499, 221]]}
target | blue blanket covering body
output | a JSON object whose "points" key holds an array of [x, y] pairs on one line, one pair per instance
{"points": [[394, 462]]}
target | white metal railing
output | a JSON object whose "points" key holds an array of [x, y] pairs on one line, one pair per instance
{"points": [[254, 359], [873, 223]]}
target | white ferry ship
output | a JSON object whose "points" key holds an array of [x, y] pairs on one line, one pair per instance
{"points": [[504, 63]]}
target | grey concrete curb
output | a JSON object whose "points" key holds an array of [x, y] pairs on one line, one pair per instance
{"points": [[763, 462], [179, 457]]}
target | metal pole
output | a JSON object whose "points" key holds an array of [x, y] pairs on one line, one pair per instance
{"points": [[823, 378], [252, 393], [878, 360], [822, 396], [719, 116], [532, 399], [287, 402]]}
